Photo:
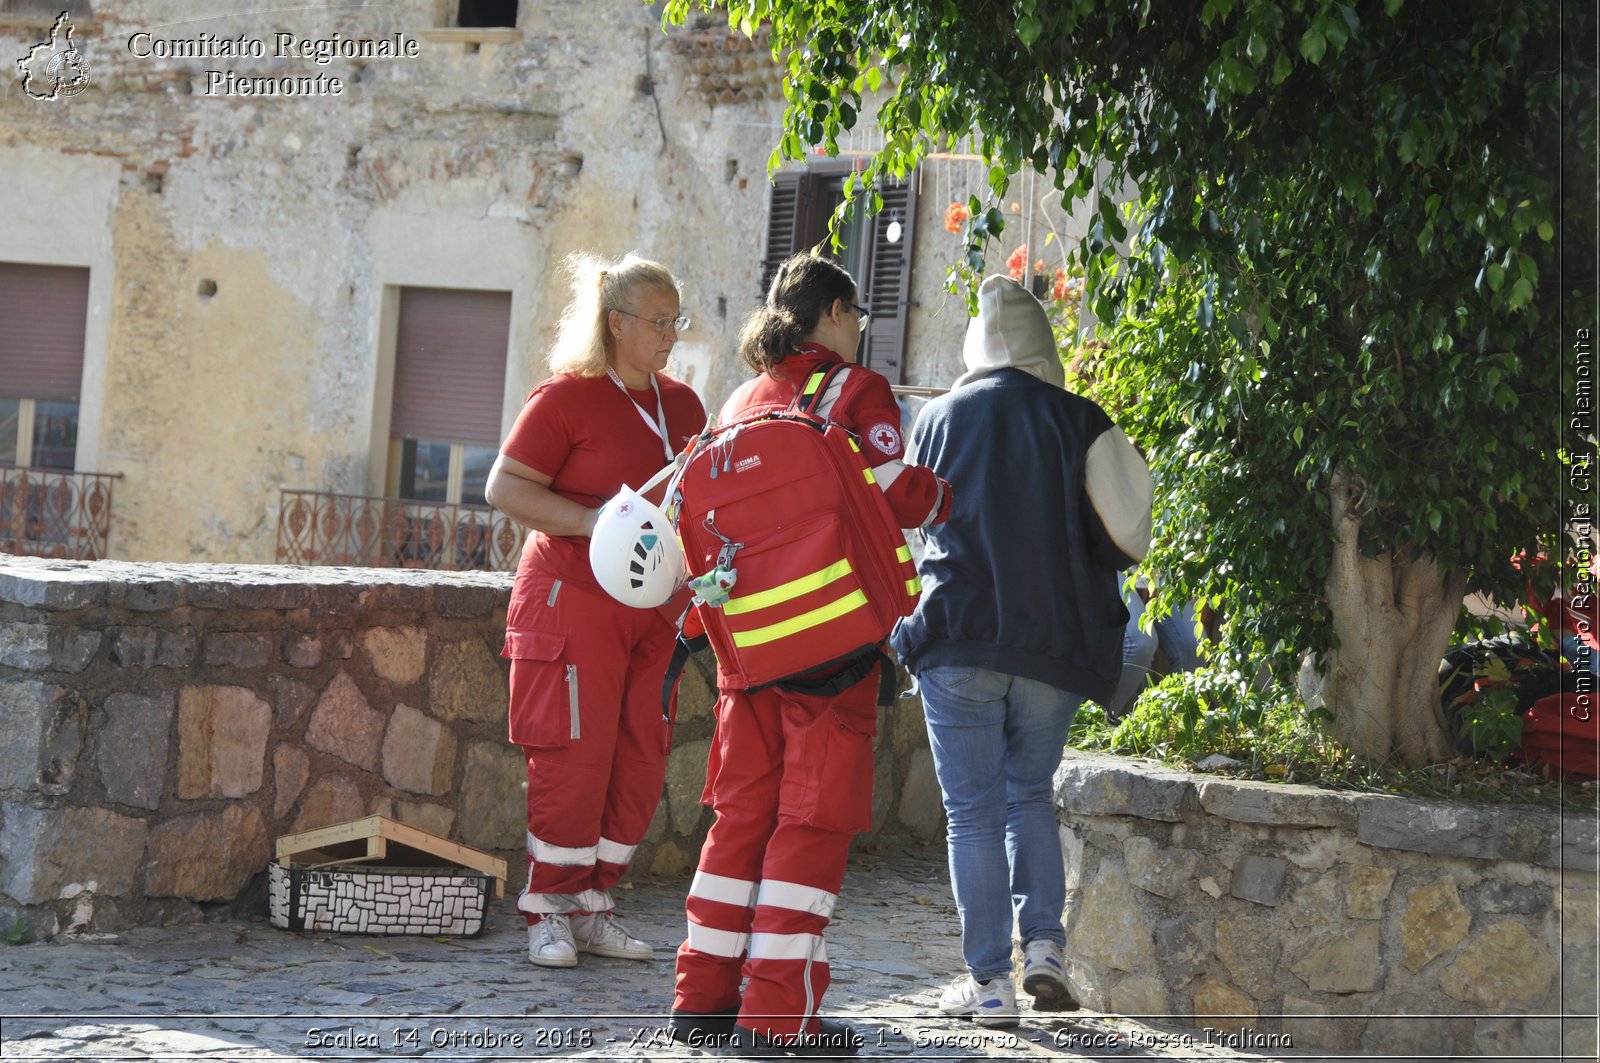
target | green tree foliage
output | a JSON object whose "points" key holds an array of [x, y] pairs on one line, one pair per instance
{"points": [[1334, 304]]}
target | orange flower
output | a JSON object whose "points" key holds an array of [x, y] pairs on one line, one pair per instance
{"points": [[955, 216], [1017, 263]]}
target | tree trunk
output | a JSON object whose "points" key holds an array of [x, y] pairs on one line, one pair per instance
{"points": [[1393, 617]]}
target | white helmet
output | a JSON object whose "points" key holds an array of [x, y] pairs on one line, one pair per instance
{"points": [[634, 552]]}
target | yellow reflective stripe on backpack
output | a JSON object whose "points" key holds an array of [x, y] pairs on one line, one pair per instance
{"points": [[913, 586], [785, 591], [813, 382], [902, 554], [833, 610]]}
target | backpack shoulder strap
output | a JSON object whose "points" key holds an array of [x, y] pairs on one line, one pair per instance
{"points": [[809, 398]]}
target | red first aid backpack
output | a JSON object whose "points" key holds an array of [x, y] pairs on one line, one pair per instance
{"points": [[1562, 732], [782, 514]]}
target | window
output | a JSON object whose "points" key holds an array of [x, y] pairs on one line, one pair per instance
{"points": [[44, 310], [876, 250], [449, 382], [481, 14]]}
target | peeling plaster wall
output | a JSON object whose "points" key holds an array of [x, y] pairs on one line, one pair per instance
{"points": [[466, 167]]}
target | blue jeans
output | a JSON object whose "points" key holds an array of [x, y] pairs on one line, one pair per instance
{"points": [[1173, 633], [997, 741]]}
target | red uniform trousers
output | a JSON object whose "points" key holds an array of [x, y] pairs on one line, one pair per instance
{"points": [[790, 780], [586, 676]]}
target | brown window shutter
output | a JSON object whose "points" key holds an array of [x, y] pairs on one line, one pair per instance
{"points": [[887, 288], [450, 365], [43, 311], [784, 222]]}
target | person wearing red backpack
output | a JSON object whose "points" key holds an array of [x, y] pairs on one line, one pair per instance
{"points": [[790, 773]]}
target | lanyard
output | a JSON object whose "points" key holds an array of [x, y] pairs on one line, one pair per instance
{"points": [[657, 424]]}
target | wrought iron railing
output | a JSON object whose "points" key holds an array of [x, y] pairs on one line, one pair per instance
{"points": [[321, 528], [55, 513]]}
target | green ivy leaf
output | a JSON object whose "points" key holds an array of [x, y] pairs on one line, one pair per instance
{"points": [[1313, 45]]}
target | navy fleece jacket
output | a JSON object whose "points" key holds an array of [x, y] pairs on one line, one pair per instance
{"points": [[1051, 502]]}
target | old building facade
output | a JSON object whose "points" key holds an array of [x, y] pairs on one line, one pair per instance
{"points": [[254, 260]]}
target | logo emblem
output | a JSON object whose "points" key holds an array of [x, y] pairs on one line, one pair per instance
{"points": [[886, 438], [54, 68]]}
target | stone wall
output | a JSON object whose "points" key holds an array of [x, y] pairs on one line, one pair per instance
{"points": [[1304, 918], [162, 725]]}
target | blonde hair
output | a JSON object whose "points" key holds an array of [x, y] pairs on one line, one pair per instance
{"points": [[583, 342]]}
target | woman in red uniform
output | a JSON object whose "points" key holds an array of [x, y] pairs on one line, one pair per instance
{"points": [[586, 671], [790, 774]]}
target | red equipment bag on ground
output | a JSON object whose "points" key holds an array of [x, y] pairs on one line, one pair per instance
{"points": [[1562, 732], [800, 566]]}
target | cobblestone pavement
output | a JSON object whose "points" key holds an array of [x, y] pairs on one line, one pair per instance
{"points": [[240, 989]]}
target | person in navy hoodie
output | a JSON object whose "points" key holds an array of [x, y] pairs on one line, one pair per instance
{"points": [[1021, 618]]}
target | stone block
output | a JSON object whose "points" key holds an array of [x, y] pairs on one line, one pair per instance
{"points": [[1318, 903], [242, 593], [1107, 929], [883, 788], [398, 655], [494, 807], [1138, 994], [301, 649], [71, 648], [207, 857], [435, 819], [1259, 879], [132, 748], [686, 780], [45, 728], [1275, 804], [151, 595], [670, 860], [24, 646], [1497, 832], [290, 699], [1575, 846], [1095, 785], [1250, 947], [909, 728], [1349, 963], [291, 770], [56, 586], [1309, 1024], [146, 647], [1184, 944], [1159, 870], [466, 601], [339, 599], [1366, 890], [222, 741], [238, 649], [466, 683], [49, 851], [697, 690], [1220, 1006], [1497, 897], [1521, 1037], [331, 799], [921, 803], [419, 753], [1504, 965], [344, 725], [1434, 922], [1402, 1037]]}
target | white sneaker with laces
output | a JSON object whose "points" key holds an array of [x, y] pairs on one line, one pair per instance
{"points": [[1044, 977], [601, 934], [550, 942], [991, 1003]]}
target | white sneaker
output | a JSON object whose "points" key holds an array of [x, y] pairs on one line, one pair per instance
{"points": [[550, 942], [1044, 977], [601, 934], [991, 1003]]}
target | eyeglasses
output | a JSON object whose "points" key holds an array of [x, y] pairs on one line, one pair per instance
{"points": [[660, 324], [862, 313]]}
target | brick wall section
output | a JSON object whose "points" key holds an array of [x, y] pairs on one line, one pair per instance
{"points": [[162, 725]]}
